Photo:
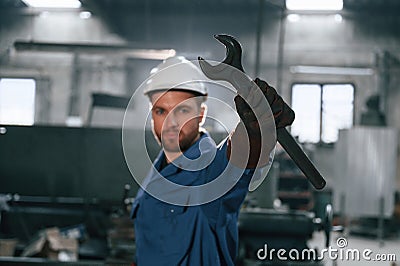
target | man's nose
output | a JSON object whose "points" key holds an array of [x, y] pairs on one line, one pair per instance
{"points": [[171, 120]]}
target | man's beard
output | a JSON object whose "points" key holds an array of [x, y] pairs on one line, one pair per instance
{"points": [[180, 144]]}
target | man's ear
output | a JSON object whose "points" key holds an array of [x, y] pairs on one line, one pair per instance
{"points": [[203, 114]]}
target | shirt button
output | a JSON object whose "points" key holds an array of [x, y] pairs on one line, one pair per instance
{"points": [[172, 210]]}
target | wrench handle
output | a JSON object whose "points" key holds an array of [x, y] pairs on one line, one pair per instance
{"points": [[300, 158]]}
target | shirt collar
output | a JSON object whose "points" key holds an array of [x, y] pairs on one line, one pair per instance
{"points": [[198, 155]]}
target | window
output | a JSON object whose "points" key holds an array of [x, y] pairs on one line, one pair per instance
{"points": [[17, 101], [321, 110]]}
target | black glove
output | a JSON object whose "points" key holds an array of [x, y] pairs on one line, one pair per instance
{"points": [[283, 114]]}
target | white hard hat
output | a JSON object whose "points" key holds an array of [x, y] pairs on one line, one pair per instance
{"points": [[176, 73]]}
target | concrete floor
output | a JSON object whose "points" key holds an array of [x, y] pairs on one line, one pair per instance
{"points": [[387, 246]]}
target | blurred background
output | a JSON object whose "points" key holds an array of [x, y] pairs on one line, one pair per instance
{"points": [[69, 68]]}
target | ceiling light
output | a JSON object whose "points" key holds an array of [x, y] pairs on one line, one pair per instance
{"points": [[338, 18], [85, 15], [53, 3], [293, 17], [314, 4], [152, 54]]}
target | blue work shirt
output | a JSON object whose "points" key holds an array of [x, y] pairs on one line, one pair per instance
{"points": [[205, 234]]}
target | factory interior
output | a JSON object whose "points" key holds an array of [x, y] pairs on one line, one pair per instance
{"points": [[75, 130]]}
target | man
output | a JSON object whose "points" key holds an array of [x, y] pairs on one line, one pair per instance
{"points": [[177, 221]]}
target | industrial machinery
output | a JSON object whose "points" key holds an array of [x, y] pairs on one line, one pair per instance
{"points": [[263, 232]]}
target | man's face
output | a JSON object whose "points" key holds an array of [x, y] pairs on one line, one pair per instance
{"points": [[176, 117]]}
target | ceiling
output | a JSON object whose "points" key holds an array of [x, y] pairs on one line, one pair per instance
{"points": [[209, 5], [116, 13], [129, 5]]}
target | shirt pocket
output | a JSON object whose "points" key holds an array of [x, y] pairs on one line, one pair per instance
{"points": [[176, 231], [151, 209], [164, 210], [167, 228]]}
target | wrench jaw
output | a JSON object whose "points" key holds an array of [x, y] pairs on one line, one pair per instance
{"points": [[232, 62], [222, 71], [213, 72], [233, 50]]}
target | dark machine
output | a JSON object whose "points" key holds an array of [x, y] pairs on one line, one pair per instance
{"points": [[265, 231], [68, 178]]}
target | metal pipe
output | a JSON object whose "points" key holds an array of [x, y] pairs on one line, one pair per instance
{"points": [[82, 48], [281, 43], [258, 37]]}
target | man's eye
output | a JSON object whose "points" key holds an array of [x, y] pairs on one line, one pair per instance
{"points": [[184, 110], [159, 111]]}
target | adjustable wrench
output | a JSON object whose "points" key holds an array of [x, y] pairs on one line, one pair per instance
{"points": [[231, 70]]}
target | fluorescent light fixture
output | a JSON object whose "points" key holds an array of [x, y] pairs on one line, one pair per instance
{"points": [[351, 71], [152, 54], [314, 4], [53, 3]]}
